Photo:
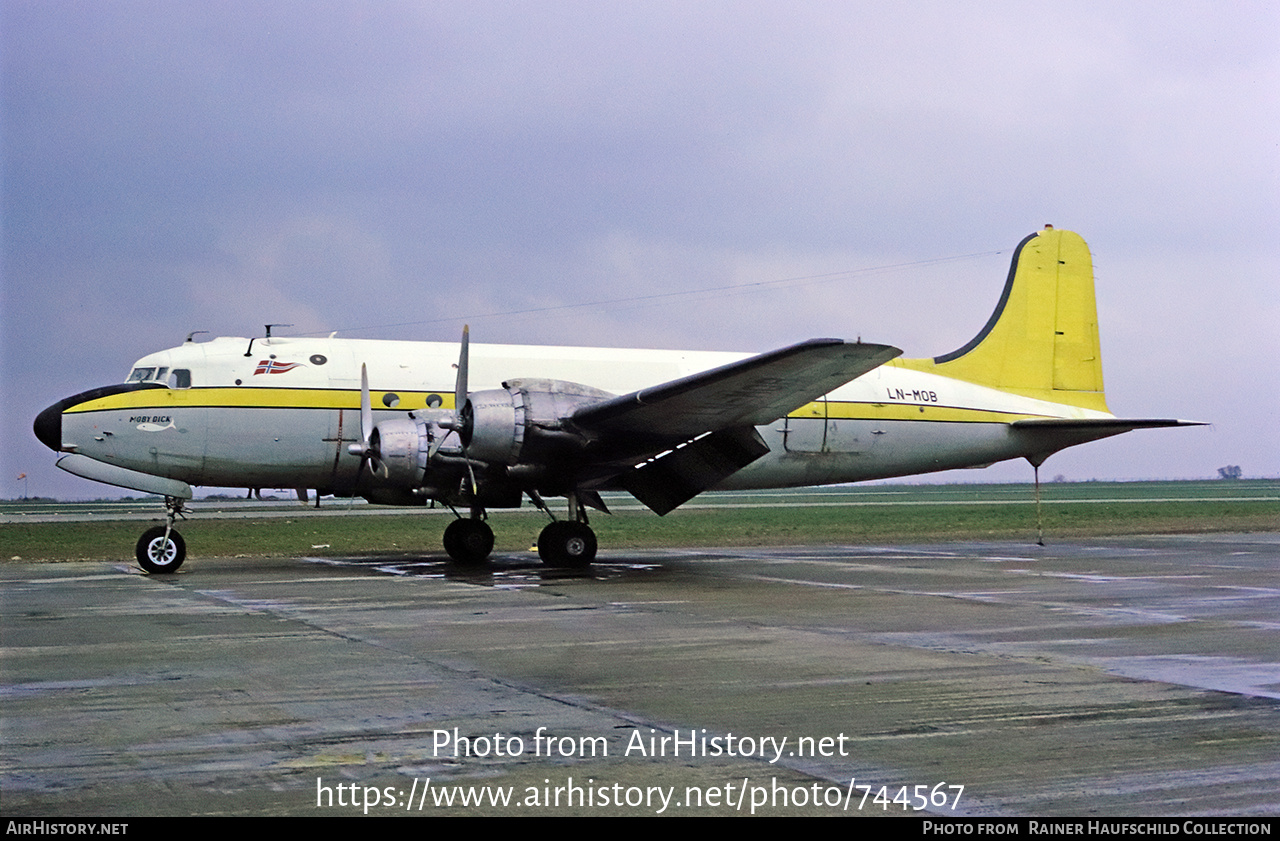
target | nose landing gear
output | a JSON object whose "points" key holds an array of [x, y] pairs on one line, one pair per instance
{"points": [[161, 549]]}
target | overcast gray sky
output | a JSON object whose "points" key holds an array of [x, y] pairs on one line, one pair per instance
{"points": [[393, 170]]}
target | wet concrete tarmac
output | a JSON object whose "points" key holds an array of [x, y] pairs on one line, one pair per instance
{"points": [[1134, 676]]}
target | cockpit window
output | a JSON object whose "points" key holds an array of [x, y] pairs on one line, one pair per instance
{"points": [[180, 378], [148, 375]]}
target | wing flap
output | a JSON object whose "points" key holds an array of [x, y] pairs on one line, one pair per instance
{"points": [[755, 391], [677, 476]]}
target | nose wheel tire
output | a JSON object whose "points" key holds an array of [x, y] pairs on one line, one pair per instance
{"points": [[567, 545], [157, 555], [468, 541]]}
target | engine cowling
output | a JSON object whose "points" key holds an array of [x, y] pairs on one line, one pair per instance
{"points": [[493, 426], [524, 422], [402, 446]]}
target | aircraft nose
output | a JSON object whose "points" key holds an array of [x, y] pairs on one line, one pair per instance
{"points": [[48, 427], [48, 424]]}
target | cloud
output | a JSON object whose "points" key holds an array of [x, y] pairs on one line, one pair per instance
{"points": [[366, 165]]}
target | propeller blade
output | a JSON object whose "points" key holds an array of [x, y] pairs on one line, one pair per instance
{"points": [[435, 446], [366, 406], [459, 396], [460, 401], [366, 449], [460, 384], [457, 423], [475, 488]]}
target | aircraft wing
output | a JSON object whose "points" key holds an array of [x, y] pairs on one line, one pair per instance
{"points": [[704, 424], [752, 392]]}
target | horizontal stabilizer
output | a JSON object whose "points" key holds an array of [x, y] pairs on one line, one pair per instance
{"points": [[753, 392], [1113, 426], [1049, 435]]}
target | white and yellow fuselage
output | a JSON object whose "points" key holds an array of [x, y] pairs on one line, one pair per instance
{"points": [[284, 412], [284, 415]]}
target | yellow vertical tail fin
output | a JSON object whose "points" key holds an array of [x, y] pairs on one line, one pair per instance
{"points": [[1042, 339]]}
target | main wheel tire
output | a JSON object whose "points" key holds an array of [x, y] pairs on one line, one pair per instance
{"points": [[158, 556], [468, 541], [567, 545]]}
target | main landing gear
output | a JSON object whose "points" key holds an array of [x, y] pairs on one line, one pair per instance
{"points": [[562, 544], [469, 540], [161, 549], [566, 544]]}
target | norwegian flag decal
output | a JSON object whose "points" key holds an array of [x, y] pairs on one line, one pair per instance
{"points": [[270, 366]]}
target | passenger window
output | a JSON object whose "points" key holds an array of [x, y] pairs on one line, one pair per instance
{"points": [[180, 378]]}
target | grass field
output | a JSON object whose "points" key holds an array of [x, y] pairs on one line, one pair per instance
{"points": [[845, 515]]}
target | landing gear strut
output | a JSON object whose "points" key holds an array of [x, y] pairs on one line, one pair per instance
{"points": [[568, 544], [469, 540], [161, 549]]}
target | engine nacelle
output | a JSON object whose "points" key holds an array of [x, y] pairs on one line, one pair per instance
{"points": [[524, 421], [493, 426], [402, 446], [516, 437]]}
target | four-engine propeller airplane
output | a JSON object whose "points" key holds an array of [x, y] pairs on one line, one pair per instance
{"points": [[382, 419]]}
